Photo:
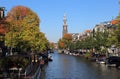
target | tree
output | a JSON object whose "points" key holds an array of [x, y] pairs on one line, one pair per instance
{"points": [[24, 32], [118, 30], [61, 44], [101, 40], [3, 28], [118, 35], [52, 45], [67, 39]]}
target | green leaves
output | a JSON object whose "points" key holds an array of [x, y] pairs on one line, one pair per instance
{"points": [[24, 32]]}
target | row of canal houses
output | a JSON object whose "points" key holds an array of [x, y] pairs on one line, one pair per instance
{"points": [[101, 27]]}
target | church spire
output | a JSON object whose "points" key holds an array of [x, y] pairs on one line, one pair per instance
{"points": [[64, 19], [65, 31]]}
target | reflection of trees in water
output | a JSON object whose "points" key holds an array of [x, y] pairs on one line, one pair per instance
{"points": [[42, 74]]}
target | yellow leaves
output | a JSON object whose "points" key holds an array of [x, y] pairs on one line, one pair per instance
{"points": [[65, 41], [62, 44], [24, 26]]}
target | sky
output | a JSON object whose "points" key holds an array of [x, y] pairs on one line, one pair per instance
{"points": [[81, 14]]}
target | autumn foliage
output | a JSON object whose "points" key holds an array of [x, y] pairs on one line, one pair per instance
{"points": [[24, 32], [65, 41], [3, 26], [17, 13], [114, 22], [61, 44], [2, 30], [67, 37]]}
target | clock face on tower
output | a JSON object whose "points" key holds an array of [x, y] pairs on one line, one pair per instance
{"points": [[65, 28]]}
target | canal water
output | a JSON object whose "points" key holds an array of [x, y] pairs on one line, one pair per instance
{"points": [[74, 67]]}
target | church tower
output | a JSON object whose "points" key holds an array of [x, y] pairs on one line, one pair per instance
{"points": [[65, 30]]}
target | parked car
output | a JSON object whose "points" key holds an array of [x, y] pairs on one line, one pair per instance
{"points": [[113, 61]]}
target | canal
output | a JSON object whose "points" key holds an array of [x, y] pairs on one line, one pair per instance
{"points": [[74, 67]]}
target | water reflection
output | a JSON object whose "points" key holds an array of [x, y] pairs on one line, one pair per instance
{"points": [[42, 74], [72, 67]]}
